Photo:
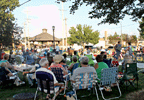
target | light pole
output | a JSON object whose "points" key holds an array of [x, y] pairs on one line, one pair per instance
{"points": [[53, 28]]}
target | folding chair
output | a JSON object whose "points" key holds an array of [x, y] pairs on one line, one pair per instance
{"points": [[108, 77], [58, 72], [85, 81], [45, 84], [4, 80], [130, 75]]}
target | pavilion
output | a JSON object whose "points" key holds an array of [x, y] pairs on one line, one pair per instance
{"points": [[44, 39]]}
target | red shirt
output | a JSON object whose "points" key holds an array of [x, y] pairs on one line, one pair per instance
{"points": [[115, 63]]}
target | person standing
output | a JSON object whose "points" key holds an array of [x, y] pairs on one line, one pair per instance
{"points": [[129, 49], [57, 49], [118, 49]]}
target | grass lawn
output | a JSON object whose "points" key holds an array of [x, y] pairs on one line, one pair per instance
{"points": [[7, 93]]}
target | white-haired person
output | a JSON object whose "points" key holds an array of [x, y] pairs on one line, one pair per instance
{"points": [[44, 68], [83, 69]]}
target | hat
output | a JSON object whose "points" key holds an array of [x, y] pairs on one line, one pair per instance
{"points": [[57, 58]]}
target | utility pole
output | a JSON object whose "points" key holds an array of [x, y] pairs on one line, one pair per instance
{"points": [[121, 33], [63, 25], [25, 36], [28, 30], [66, 31]]}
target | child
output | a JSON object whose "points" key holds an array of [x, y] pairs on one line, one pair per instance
{"points": [[115, 63]]}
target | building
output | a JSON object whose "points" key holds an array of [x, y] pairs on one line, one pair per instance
{"points": [[44, 39]]}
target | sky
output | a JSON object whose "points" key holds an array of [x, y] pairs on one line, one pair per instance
{"points": [[47, 13]]}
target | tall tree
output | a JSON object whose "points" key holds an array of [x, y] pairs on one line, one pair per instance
{"points": [[112, 11], [8, 29], [141, 28], [81, 35], [113, 39]]}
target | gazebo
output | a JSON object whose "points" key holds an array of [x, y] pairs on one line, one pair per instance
{"points": [[44, 38]]}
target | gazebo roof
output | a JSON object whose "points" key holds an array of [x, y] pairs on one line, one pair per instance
{"points": [[44, 36]]}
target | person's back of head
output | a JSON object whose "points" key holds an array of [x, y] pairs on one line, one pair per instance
{"points": [[99, 58], [129, 43], [84, 60], [6, 56], [74, 58], [43, 62], [75, 52], [64, 55], [105, 57]]}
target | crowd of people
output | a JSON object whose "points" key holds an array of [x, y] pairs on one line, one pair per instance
{"points": [[68, 62]]}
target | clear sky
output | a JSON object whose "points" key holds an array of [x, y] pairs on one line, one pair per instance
{"points": [[46, 13]]}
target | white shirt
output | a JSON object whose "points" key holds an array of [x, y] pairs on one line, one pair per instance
{"points": [[57, 48], [48, 71]]}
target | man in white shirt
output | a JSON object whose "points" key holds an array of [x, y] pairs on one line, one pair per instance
{"points": [[57, 49], [44, 68]]}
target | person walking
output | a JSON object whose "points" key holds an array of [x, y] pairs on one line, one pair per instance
{"points": [[118, 49]]}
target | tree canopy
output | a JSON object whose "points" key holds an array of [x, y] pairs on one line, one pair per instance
{"points": [[113, 39], [83, 34], [141, 28], [112, 11], [9, 31]]}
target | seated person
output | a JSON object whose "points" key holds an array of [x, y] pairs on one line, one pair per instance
{"points": [[63, 63], [85, 68], [108, 62], [57, 59], [6, 72], [29, 59], [115, 62], [5, 59], [101, 65], [44, 65], [65, 56], [75, 54], [31, 75], [73, 65]]}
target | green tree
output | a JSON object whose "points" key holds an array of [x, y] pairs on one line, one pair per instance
{"points": [[112, 11], [81, 35], [113, 39], [141, 28], [133, 39], [8, 29]]}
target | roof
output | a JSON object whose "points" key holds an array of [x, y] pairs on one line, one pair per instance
{"points": [[43, 37]]}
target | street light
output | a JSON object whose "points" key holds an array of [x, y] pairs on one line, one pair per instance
{"points": [[53, 28]]}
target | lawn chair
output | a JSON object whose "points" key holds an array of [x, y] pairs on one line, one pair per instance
{"points": [[108, 77], [4, 80], [45, 84], [58, 72], [85, 81], [130, 75]]}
